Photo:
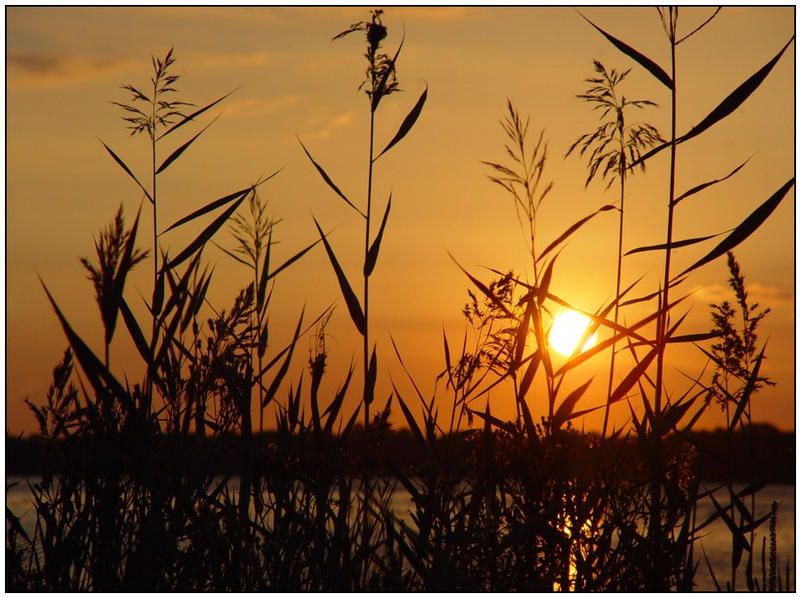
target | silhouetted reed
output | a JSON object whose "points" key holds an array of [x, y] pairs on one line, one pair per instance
{"points": [[128, 500]]}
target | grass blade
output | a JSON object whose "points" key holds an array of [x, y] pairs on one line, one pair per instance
{"points": [[408, 122], [748, 389], [736, 98], [746, 228], [329, 182], [276, 381], [220, 202], [372, 374], [568, 405], [128, 170], [569, 231], [674, 244], [372, 254], [205, 235], [700, 187], [136, 332], [97, 373], [483, 288], [292, 259], [353, 306], [193, 115], [643, 60], [177, 153], [207, 208]]}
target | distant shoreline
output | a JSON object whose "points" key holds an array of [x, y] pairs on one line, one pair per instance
{"points": [[774, 453]]}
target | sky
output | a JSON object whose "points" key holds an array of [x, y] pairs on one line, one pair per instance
{"points": [[65, 66]]}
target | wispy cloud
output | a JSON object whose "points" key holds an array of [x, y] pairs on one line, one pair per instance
{"points": [[247, 60], [258, 107], [316, 127], [42, 69], [764, 294]]}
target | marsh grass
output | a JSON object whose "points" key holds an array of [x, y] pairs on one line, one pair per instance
{"points": [[129, 500]]}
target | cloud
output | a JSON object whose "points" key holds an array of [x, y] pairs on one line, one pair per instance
{"points": [[258, 107], [31, 69], [764, 294], [317, 127], [251, 59]]}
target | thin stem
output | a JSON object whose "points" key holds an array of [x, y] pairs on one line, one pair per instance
{"points": [[366, 277]]}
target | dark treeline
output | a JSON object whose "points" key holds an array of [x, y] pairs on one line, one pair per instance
{"points": [[773, 454]]}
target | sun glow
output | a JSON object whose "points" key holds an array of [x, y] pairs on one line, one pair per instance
{"points": [[567, 331]]}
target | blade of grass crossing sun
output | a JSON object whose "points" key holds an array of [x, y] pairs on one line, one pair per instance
{"points": [[372, 254], [746, 228], [329, 182], [407, 123], [648, 64], [353, 306], [128, 170], [206, 234]]}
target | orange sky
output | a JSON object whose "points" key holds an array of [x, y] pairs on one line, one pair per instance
{"points": [[65, 65]]}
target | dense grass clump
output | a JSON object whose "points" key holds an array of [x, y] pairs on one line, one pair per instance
{"points": [[169, 484]]}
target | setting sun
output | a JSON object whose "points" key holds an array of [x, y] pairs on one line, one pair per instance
{"points": [[567, 331]]}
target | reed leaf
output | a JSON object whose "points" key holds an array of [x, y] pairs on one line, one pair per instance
{"points": [[329, 182], [128, 170], [193, 115], [353, 306], [745, 229], [220, 202], [568, 405], [700, 187], [736, 98], [332, 411], [205, 235], [633, 376], [483, 288], [408, 122], [99, 376], [492, 420], [643, 60], [675, 244], [179, 151], [136, 333], [744, 400], [281, 373], [372, 254], [369, 380], [158, 293], [572, 229]]}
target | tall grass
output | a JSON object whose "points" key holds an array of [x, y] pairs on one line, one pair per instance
{"points": [[166, 484]]}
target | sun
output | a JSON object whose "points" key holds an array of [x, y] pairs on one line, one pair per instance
{"points": [[567, 331]]}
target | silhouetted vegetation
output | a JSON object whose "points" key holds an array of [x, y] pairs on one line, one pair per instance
{"points": [[169, 485]]}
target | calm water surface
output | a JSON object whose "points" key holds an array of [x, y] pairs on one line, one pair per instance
{"points": [[716, 540]]}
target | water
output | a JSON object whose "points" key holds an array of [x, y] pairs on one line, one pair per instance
{"points": [[716, 540]]}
